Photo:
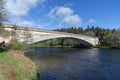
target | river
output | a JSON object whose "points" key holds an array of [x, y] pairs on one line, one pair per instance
{"points": [[77, 64]]}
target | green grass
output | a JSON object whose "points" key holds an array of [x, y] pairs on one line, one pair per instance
{"points": [[18, 46], [16, 66]]}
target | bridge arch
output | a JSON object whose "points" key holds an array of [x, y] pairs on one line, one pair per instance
{"points": [[81, 41], [40, 35], [77, 42]]}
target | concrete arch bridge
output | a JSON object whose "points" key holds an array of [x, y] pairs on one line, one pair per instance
{"points": [[37, 35]]}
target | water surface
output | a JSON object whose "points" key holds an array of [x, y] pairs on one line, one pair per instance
{"points": [[77, 64]]}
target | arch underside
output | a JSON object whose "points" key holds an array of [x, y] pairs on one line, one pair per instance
{"points": [[85, 43]]}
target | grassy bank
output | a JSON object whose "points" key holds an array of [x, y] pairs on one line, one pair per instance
{"points": [[15, 66]]}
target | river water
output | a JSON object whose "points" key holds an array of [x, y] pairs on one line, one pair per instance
{"points": [[77, 64]]}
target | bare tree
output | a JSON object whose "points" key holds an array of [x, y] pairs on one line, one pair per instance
{"points": [[2, 11], [14, 35], [27, 37], [3, 17]]}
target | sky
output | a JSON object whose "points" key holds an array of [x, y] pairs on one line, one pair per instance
{"points": [[53, 14]]}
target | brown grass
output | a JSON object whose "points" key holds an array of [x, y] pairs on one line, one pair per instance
{"points": [[25, 60], [21, 68]]}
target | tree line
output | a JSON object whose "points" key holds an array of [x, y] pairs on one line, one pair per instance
{"points": [[107, 37]]}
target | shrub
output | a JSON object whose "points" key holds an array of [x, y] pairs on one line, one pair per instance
{"points": [[3, 48], [18, 46]]}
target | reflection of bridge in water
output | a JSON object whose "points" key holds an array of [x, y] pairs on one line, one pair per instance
{"points": [[40, 35]]}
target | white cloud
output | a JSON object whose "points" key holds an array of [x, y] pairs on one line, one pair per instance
{"points": [[65, 15], [73, 19], [21, 7], [91, 21], [28, 23], [22, 22], [52, 12], [64, 11], [69, 4]]}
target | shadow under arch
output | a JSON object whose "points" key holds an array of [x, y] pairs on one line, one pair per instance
{"points": [[80, 43]]}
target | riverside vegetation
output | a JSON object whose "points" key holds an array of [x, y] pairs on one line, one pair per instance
{"points": [[14, 65], [108, 38], [60, 43]]}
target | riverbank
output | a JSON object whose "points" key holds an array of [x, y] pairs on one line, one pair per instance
{"points": [[56, 46], [59, 46], [73, 46], [15, 66], [107, 47]]}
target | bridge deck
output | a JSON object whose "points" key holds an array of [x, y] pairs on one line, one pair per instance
{"points": [[41, 30]]}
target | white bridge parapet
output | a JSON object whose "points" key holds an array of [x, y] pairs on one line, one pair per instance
{"points": [[40, 35]]}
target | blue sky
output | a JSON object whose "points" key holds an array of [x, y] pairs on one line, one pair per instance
{"points": [[52, 14]]}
